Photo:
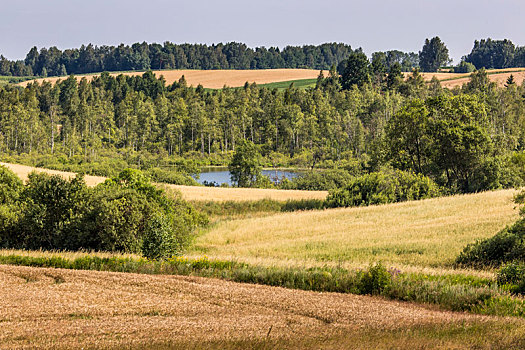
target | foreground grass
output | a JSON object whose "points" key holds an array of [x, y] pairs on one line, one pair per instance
{"points": [[56, 308], [424, 234], [454, 292], [502, 334]]}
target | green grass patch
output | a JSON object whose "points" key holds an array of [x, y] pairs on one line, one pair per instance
{"points": [[283, 85]]}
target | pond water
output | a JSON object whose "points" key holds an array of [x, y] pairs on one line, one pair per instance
{"points": [[221, 175]]}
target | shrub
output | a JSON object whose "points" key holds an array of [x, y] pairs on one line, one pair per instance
{"points": [[464, 67], [318, 180], [159, 243], [171, 177], [374, 280], [506, 246], [513, 275], [125, 213], [10, 186], [382, 188]]}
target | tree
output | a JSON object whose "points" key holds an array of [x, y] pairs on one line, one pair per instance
{"points": [[395, 76], [480, 82], [489, 53], [245, 167], [408, 137], [510, 81], [356, 70], [433, 55]]}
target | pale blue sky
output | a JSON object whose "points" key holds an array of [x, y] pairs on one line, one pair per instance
{"points": [[372, 24]]}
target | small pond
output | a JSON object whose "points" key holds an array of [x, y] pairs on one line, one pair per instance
{"points": [[221, 175]]}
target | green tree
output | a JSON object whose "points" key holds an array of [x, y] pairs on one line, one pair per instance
{"points": [[245, 167], [395, 76], [433, 55], [356, 70], [408, 137]]}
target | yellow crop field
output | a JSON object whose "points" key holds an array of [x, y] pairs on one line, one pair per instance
{"points": [[193, 193], [215, 79], [499, 76], [65, 309], [422, 234]]}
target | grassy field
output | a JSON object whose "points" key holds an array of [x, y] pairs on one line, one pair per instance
{"points": [[302, 84], [53, 308], [216, 79], [168, 306], [193, 193], [423, 234]]}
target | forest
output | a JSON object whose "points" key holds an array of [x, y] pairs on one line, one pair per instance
{"points": [[143, 56], [486, 53], [363, 119]]}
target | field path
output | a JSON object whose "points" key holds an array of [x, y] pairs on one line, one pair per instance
{"points": [[215, 79], [69, 309], [196, 193]]}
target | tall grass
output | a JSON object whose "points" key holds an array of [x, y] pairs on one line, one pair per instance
{"points": [[428, 233]]}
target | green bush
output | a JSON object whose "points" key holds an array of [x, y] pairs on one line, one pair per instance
{"points": [[171, 177], [374, 280], [318, 180], [126, 213], [10, 186], [506, 246], [382, 188], [513, 275], [464, 67]]}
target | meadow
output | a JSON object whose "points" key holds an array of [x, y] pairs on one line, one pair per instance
{"points": [[416, 234], [237, 267]]}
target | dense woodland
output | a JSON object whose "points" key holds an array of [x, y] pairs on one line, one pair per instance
{"points": [[467, 139], [486, 53], [143, 56]]}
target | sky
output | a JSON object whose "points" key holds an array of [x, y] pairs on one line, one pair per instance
{"points": [[371, 24]]}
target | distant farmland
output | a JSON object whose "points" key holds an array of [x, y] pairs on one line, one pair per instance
{"points": [[282, 78], [216, 79]]}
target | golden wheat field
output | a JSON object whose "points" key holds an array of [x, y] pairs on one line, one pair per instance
{"points": [[453, 80], [54, 308], [193, 193], [423, 234], [215, 79]]}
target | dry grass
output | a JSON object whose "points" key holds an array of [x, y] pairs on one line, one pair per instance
{"points": [[216, 79], [45, 308], [422, 234], [193, 193], [500, 79], [22, 171], [453, 80]]}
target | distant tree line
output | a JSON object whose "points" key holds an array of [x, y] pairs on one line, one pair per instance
{"points": [[497, 54], [144, 56]]}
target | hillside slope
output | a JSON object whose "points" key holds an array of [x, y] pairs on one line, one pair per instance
{"points": [[428, 233]]}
